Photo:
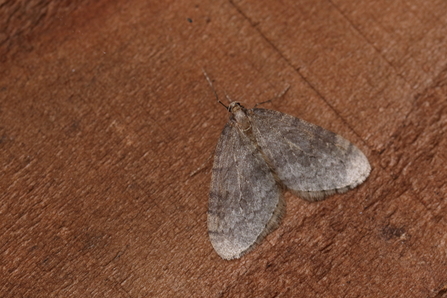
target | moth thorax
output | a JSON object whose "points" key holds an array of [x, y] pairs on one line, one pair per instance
{"points": [[239, 115]]}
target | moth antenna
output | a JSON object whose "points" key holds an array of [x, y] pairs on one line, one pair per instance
{"points": [[212, 87], [228, 97], [276, 97]]}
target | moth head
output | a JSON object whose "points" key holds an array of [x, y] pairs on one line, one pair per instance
{"points": [[239, 115], [234, 107]]}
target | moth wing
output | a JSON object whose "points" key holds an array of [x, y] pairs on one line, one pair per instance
{"points": [[309, 160], [245, 200]]}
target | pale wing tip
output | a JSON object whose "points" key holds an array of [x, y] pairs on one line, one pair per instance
{"points": [[226, 249], [357, 172], [226, 245], [358, 169], [230, 248]]}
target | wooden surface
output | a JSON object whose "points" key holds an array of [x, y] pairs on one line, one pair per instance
{"points": [[105, 113]]}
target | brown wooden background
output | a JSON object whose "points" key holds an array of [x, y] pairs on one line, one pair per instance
{"points": [[105, 113]]}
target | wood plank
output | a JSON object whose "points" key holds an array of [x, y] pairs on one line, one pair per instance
{"points": [[105, 113]]}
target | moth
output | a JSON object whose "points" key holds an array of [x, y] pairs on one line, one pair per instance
{"points": [[260, 154]]}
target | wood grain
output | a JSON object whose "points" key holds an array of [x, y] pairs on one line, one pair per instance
{"points": [[105, 113]]}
